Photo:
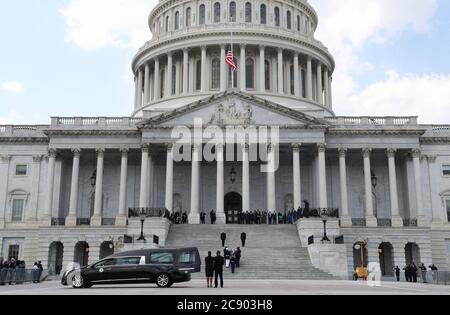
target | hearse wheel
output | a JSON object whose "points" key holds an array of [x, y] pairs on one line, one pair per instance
{"points": [[163, 280], [78, 282]]}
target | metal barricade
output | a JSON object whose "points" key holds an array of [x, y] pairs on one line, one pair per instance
{"points": [[19, 276]]}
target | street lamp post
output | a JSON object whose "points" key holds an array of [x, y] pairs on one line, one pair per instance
{"points": [[324, 216], [142, 216]]}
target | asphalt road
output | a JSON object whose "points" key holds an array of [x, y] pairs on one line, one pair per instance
{"points": [[236, 287]]}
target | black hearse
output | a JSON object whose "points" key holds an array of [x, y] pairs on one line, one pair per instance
{"points": [[163, 266]]}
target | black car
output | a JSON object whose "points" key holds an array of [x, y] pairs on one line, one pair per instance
{"points": [[161, 266]]}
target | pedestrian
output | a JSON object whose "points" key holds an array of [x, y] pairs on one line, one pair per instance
{"points": [[414, 272], [41, 269], [35, 272], [233, 262], [434, 272], [218, 269], [243, 238], [238, 255], [423, 272], [213, 217], [227, 256], [397, 273], [209, 268], [12, 271], [203, 217], [407, 273], [223, 237], [1, 271]]}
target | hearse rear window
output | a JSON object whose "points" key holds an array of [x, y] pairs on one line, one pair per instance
{"points": [[161, 258], [186, 257]]}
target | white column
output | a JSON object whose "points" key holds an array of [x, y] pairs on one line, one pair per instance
{"points": [[169, 178], [31, 215], [326, 85], [121, 219], [323, 199], [96, 220], [395, 211], [330, 93], [296, 76], [4, 172], [157, 81], [71, 220], [169, 75], [422, 220], [136, 92], [371, 220], [309, 94], [319, 84], [177, 77], [220, 207], [262, 68], [46, 218], [140, 86], [243, 69], [271, 190], [297, 176], [203, 78], [245, 178], [143, 196], [147, 84], [345, 216], [194, 216], [185, 71], [280, 71], [223, 69]]}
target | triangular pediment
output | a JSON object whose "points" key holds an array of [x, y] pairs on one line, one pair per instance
{"points": [[233, 108]]}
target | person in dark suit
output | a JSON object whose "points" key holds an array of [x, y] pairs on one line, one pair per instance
{"points": [[209, 268], [213, 217], [397, 273], [238, 257], [243, 238], [223, 237], [218, 270]]}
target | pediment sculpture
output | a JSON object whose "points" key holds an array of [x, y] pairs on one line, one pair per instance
{"points": [[232, 114]]}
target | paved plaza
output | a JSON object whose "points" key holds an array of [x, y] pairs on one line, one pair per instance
{"points": [[237, 287]]}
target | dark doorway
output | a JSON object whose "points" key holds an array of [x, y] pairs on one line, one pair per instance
{"points": [[55, 258], [82, 253], [233, 207]]}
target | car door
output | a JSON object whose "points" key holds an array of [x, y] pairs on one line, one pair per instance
{"points": [[189, 260], [125, 269], [161, 261], [100, 271]]}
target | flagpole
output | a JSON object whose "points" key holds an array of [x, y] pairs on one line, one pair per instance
{"points": [[232, 72]]}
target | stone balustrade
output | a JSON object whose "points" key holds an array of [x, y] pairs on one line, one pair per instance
{"points": [[373, 121], [22, 130], [61, 122]]}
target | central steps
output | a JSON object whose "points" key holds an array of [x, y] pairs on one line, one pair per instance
{"points": [[272, 251]]}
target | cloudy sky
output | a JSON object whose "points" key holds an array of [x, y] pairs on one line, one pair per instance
{"points": [[72, 57]]}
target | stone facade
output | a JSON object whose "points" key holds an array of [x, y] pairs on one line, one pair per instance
{"points": [[67, 186]]}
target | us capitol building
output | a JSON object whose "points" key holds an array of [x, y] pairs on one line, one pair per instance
{"points": [[67, 188]]}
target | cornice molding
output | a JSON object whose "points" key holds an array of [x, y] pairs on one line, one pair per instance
{"points": [[375, 132]]}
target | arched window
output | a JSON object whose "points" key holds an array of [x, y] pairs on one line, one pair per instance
{"points": [[167, 23], [277, 16], [198, 72], [177, 20], [267, 74], [248, 12], [162, 83], [263, 14], [233, 11], [174, 79], [201, 18], [215, 73], [188, 17], [298, 23], [217, 12], [288, 22], [249, 73]]}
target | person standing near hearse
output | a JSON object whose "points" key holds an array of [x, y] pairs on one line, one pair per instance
{"points": [[209, 268], [223, 237], [397, 273], [218, 269], [243, 238]]}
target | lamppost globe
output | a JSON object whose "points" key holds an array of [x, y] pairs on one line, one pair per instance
{"points": [[324, 215]]}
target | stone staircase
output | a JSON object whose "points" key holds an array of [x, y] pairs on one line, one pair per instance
{"points": [[272, 251]]}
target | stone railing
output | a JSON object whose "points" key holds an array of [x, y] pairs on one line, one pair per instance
{"points": [[410, 222], [384, 222], [22, 130], [373, 121], [359, 222], [148, 212], [70, 122]]}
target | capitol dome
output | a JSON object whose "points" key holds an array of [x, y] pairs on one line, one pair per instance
{"points": [[277, 56]]}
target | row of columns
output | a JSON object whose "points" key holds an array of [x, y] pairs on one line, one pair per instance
{"points": [[145, 78], [371, 220]]}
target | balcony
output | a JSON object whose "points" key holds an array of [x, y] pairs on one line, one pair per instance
{"points": [[35, 131], [410, 222], [384, 222]]}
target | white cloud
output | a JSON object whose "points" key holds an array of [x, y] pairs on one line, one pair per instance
{"points": [[94, 24], [12, 86], [406, 95]]}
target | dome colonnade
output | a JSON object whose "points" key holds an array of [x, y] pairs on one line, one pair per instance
{"points": [[273, 45]]}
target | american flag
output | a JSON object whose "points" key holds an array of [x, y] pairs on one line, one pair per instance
{"points": [[230, 61]]}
